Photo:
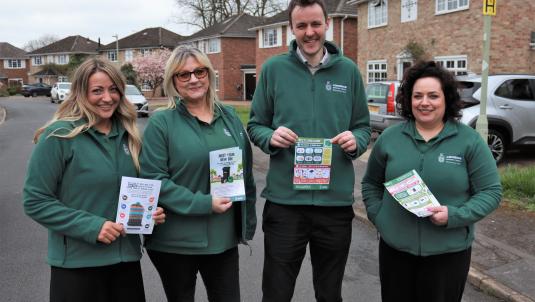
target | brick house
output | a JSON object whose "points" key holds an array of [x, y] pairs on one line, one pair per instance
{"points": [[274, 34], [447, 31], [139, 44], [230, 46], [60, 53], [14, 65]]}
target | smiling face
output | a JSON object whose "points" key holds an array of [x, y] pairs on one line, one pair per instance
{"points": [[195, 89], [103, 95], [428, 102], [309, 27]]}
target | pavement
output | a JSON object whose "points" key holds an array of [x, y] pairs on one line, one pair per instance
{"points": [[503, 254]]}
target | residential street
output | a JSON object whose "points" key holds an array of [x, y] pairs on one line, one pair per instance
{"points": [[25, 275]]}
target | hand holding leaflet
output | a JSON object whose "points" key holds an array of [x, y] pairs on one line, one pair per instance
{"points": [[412, 193]]}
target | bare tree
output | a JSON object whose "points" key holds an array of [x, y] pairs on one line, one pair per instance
{"points": [[205, 13], [42, 41]]}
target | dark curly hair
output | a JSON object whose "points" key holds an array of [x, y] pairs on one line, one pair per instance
{"points": [[447, 81]]}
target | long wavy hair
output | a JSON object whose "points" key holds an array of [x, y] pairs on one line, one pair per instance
{"points": [[176, 61], [77, 107]]}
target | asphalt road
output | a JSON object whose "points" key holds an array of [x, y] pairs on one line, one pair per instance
{"points": [[25, 275]]}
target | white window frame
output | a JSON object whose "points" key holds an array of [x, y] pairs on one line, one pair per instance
{"points": [[128, 55], [409, 10], [443, 6], [213, 45], [14, 64], [62, 59], [63, 79], [458, 65], [112, 55], [37, 60], [377, 15], [376, 71], [145, 51], [269, 35], [277, 41]]}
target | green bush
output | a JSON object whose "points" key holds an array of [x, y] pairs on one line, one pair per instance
{"points": [[519, 186], [3, 90], [13, 90]]}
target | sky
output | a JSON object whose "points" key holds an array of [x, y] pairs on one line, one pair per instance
{"points": [[25, 20]]}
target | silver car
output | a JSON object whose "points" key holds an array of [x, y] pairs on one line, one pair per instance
{"points": [[59, 92], [382, 104], [135, 97], [510, 109]]}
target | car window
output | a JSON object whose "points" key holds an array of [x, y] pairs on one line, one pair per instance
{"points": [[467, 90], [517, 89], [64, 86], [132, 90], [377, 92]]}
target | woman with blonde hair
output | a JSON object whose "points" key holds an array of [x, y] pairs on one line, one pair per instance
{"points": [[202, 231], [72, 186]]}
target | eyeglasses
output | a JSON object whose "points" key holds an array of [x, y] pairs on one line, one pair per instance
{"points": [[200, 73]]}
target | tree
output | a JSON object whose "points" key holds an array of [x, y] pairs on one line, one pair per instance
{"points": [[205, 13], [129, 74], [42, 41], [149, 68]]}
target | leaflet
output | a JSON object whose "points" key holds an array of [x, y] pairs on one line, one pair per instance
{"points": [[412, 193], [226, 174], [138, 200], [312, 164]]}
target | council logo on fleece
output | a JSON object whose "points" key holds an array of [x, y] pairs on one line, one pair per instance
{"points": [[329, 86], [450, 159]]}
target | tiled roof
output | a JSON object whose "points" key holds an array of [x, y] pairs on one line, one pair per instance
{"points": [[235, 26], [149, 37], [71, 44], [8, 51], [334, 7]]}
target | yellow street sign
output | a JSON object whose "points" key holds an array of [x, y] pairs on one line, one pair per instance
{"points": [[489, 7]]}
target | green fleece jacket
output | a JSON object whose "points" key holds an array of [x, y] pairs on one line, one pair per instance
{"points": [[175, 152], [458, 168], [320, 105], [72, 187]]}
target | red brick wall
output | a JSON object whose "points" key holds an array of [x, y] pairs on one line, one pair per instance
{"points": [[15, 73], [456, 33], [262, 54], [234, 53]]}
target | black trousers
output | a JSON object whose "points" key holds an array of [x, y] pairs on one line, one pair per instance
{"points": [[120, 282], [287, 232], [437, 278], [220, 273]]}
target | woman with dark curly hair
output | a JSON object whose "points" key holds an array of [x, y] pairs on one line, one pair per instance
{"points": [[428, 258]]}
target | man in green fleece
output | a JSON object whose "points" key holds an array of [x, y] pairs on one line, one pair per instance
{"points": [[312, 92]]}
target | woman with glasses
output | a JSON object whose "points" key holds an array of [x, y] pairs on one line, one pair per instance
{"points": [[202, 231]]}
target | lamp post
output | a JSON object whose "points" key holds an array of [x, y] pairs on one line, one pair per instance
{"points": [[116, 36]]}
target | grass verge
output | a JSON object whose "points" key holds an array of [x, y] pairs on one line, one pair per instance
{"points": [[519, 186], [243, 113]]}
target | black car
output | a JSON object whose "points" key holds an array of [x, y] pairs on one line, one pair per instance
{"points": [[35, 89]]}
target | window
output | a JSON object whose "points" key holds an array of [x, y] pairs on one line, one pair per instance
{"points": [[145, 86], [62, 59], [214, 46], [456, 64], [409, 10], [377, 13], [270, 37], [376, 71], [37, 60], [14, 64], [448, 6], [517, 89], [145, 51], [63, 79], [217, 81], [112, 56], [128, 55]]}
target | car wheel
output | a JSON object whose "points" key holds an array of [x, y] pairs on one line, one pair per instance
{"points": [[497, 145], [34, 94]]}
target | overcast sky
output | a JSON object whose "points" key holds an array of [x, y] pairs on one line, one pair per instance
{"points": [[25, 20]]}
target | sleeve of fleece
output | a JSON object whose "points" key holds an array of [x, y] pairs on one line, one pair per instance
{"points": [[45, 171], [485, 187], [261, 115], [372, 182], [250, 192], [153, 160], [360, 117]]}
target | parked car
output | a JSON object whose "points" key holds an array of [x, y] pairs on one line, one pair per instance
{"points": [[382, 104], [137, 99], [510, 109], [59, 92], [35, 89]]}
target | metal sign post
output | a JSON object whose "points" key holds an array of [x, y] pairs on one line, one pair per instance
{"points": [[482, 125]]}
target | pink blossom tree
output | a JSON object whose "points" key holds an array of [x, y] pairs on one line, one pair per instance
{"points": [[150, 67]]}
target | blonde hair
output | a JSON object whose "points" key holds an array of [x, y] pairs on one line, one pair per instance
{"points": [[176, 61], [76, 106]]}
